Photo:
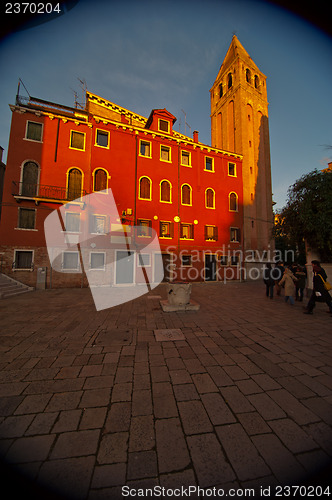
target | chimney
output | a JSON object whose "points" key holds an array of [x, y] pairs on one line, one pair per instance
{"points": [[195, 136]]}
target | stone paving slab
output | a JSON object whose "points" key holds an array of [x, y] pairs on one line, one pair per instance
{"points": [[90, 402]]}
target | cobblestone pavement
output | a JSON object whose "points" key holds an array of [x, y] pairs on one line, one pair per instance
{"points": [[91, 401]]}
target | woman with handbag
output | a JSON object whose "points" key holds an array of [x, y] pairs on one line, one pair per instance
{"points": [[320, 288]]}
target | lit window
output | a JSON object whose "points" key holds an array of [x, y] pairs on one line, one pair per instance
{"points": [[235, 234], [232, 169], [165, 191], [145, 188], [209, 198], [100, 180], [166, 229], [77, 140], [165, 153], [97, 260], [26, 218], [211, 233], [34, 131], [145, 149], [185, 158], [73, 222], [23, 259], [144, 227], [209, 164], [163, 126], [102, 138], [186, 194], [186, 231], [70, 261]]}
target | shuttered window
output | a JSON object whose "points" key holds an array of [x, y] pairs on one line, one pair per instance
{"points": [[26, 218]]}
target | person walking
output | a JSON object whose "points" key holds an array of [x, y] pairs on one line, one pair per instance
{"points": [[301, 276], [278, 272], [319, 292], [269, 280], [289, 280]]}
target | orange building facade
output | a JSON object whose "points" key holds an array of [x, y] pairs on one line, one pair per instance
{"points": [[189, 193]]}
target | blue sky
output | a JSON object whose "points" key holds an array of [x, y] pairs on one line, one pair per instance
{"points": [[165, 53]]}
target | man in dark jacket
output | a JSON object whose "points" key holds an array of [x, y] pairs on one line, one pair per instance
{"points": [[319, 292]]}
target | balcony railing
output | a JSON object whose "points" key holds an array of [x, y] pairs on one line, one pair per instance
{"points": [[39, 191]]}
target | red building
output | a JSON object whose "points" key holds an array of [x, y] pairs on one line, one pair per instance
{"points": [[191, 194]]}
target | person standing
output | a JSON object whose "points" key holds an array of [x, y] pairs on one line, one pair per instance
{"points": [[319, 292], [268, 280], [289, 280], [301, 276]]}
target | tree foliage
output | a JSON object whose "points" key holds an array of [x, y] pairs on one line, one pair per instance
{"points": [[308, 213]]}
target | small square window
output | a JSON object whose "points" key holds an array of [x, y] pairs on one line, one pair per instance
{"points": [[145, 149], [165, 153], [26, 218], [23, 259], [232, 169], [144, 260], [164, 126], [185, 158], [209, 164], [77, 140], [186, 260], [73, 222], [223, 260], [70, 261], [34, 131], [166, 229], [102, 138], [97, 260]]}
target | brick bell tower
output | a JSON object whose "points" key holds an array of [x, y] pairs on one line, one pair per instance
{"points": [[239, 123]]}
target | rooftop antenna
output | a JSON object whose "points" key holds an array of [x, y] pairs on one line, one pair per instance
{"points": [[81, 104], [18, 97], [185, 123]]}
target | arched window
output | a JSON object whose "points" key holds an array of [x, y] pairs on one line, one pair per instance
{"points": [[233, 202], [256, 82], [248, 75], [209, 198], [29, 179], [74, 184], [186, 194], [100, 180], [165, 191], [229, 80], [145, 188], [220, 90]]}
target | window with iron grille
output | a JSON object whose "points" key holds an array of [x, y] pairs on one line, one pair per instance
{"points": [[26, 218], [23, 259], [97, 260]]}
